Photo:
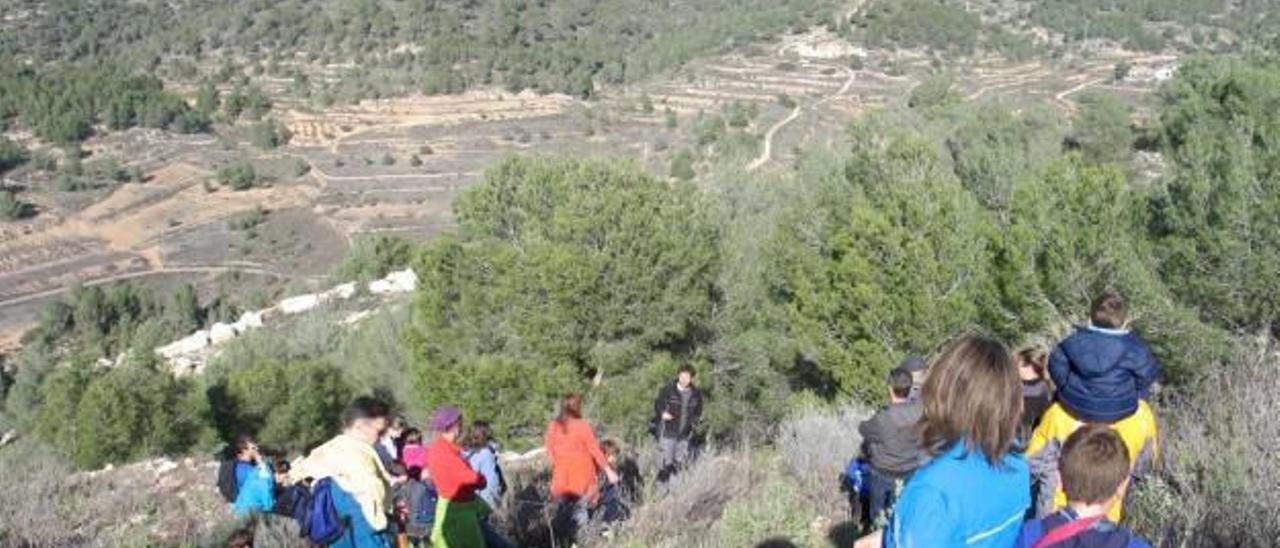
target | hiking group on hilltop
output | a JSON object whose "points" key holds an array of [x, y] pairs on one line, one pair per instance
{"points": [[977, 447]]}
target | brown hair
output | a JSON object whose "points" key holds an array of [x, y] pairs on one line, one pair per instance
{"points": [[1037, 357], [570, 408], [973, 396], [240, 538], [242, 444], [1094, 463], [1109, 310], [479, 435], [610, 448], [686, 368]]}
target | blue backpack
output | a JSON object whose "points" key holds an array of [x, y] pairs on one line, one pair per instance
{"points": [[299, 503], [855, 476], [317, 517]]}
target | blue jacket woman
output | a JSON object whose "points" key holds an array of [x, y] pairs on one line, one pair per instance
{"points": [[256, 487], [974, 491]]}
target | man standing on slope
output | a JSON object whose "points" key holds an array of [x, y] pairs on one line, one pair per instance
{"points": [[362, 483], [677, 410]]}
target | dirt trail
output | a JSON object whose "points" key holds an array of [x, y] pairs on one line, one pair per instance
{"points": [[1069, 105], [190, 269], [327, 177], [766, 151]]}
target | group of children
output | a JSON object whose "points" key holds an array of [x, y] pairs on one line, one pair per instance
{"points": [[1085, 430], [416, 499]]}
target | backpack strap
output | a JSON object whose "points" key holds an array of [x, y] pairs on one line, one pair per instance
{"points": [[1066, 532]]}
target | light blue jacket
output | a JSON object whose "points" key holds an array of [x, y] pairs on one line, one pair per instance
{"points": [[485, 461], [958, 499], [255, 489]]}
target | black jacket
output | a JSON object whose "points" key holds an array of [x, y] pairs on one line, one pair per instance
{"points": [[669, 401], [891, 439]]}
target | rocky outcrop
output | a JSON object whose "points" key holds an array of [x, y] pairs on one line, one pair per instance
{"points": [[189, 354]]}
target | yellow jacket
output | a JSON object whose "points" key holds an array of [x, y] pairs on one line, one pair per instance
{"points": [[355, 467], [1137, 430]]}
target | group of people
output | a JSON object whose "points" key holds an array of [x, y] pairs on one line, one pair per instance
{"points": [[381, 482], [978, 447], [984, 447]]}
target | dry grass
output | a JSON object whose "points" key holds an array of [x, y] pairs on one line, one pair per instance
{"points": [[1221, 482], [816, 446], [786, 494], [43, 502]]}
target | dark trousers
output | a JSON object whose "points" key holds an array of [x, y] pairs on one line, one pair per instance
{"points": [[612, 509], [881, 492]]}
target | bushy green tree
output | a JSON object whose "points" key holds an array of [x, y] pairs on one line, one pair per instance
{"points": [[374, 257], [269, 134], [569, 269], [289, 406], [935, 91], [993, 149], [98, 416], [898, 261], [1101, 129], [183, 311], [240, 176], [1218, 219]]}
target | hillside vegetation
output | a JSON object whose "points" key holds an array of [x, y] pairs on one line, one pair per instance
{"points": [[375, 48], [792, 291]]}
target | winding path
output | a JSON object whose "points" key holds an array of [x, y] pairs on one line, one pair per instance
{"points": [[192, 269], [766, 152]]}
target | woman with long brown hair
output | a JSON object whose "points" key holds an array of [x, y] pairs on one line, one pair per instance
{"points": [[975, 490], [576, 462]]}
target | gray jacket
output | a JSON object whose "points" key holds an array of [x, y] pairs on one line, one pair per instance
{"points": [[891, 439]]}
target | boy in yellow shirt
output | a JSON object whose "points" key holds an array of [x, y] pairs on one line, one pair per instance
{"points": [[1138, 431]]}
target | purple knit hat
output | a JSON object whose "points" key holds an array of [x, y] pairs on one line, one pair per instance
{"points": [[445, 418]]}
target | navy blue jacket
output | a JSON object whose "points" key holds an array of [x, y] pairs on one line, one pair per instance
{"points": [[1103, 534], [1102, 373]]}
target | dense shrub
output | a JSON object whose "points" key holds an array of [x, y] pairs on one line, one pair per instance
{"points": [[285, 406], [269, 134], [374, 257], [544, 47], [935, 24], [100, 416], [62, 104], [1101, 129], [240, 176], [1217, 221], [1218, 486], [565, 271], [12, 208]]}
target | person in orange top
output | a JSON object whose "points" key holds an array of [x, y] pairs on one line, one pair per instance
{"points": [[576, 464], [458, 510]]}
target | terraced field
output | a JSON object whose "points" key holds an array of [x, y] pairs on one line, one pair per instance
{"points": [[395, 165]]}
